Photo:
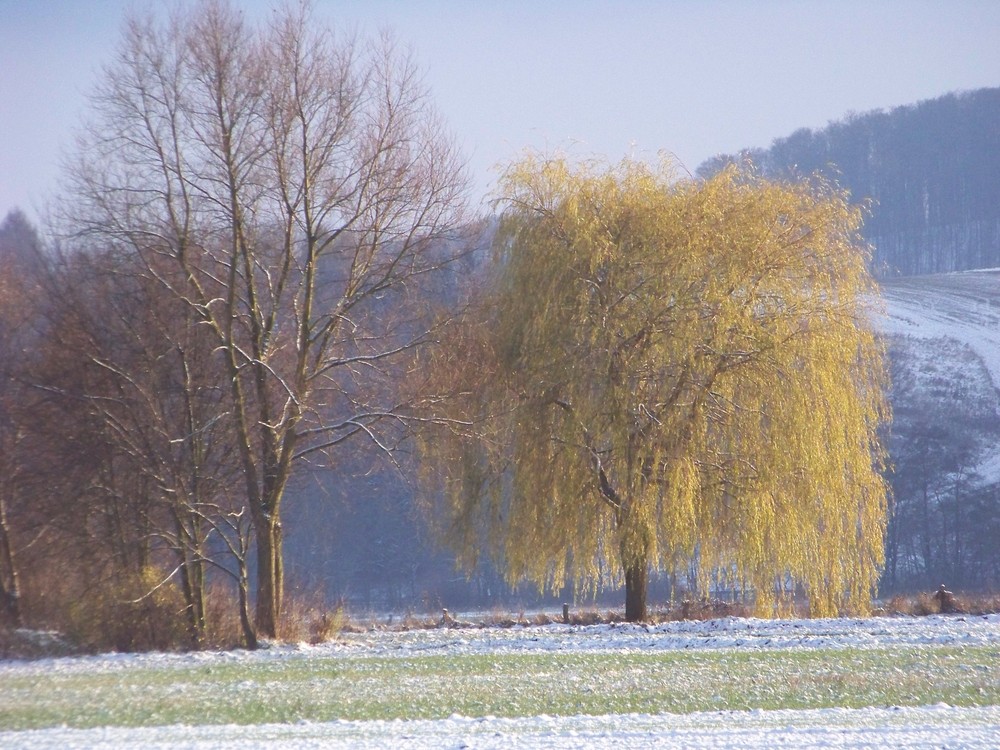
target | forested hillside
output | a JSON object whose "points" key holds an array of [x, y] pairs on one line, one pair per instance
{"points": [[931, 171]]}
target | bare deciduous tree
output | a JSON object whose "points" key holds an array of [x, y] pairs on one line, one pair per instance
{"points": [[298, 187], [139, 368]]}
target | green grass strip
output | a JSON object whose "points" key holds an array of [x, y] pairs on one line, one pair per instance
{"points": [[326, 689]]}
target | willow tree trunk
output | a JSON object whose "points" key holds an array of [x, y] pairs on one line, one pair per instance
{"points": [[635, 560], [636, 580]]}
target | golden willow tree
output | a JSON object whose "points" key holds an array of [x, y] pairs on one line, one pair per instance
{"points": [[668, 371]]}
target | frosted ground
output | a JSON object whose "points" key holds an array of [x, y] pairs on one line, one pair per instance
{"points": [[777, 643], [913, 728]]}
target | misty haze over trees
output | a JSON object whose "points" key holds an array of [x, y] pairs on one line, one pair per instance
{"points": [[210, 384]]}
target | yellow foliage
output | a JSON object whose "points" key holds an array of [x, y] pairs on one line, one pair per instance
{"points": [[668, 368]]}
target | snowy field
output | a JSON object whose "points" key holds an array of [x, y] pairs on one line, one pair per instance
{"points": [[966, 646], [935, 727]]}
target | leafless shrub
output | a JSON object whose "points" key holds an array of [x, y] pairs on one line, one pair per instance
{"points": [[141, 612]]}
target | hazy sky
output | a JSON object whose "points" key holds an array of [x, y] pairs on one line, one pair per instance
{"points": [[691, 77]]}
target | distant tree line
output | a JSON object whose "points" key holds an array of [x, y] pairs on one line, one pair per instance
{"points": [[931, 172]]}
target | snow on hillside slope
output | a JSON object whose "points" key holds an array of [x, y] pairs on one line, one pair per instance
{"points": [[960, 307]]}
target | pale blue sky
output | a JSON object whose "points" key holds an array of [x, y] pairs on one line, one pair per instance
{"points": [[608, 78]]}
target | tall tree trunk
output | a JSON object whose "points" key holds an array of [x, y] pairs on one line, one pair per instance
{"points": [[192, 572], [636, 580], [193, 586], [10, 595], [270, 574], [187, 589], [635, 560], [249, 636], [635, 544]]}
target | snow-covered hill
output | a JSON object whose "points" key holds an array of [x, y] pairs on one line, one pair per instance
{"points": [[943, 335], [964, 307], [929, 315]]}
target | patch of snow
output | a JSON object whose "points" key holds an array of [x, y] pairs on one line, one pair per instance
{"points": [[850, 729], [962, 307], [736, 633]]}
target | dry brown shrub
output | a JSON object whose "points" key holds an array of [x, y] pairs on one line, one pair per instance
{"points": [[925, 604], [129, 613], [702, 609], [309, 620], [978, 604], [222, 618], [897, 605], [587, 617], [327, 625], [499, 619]]}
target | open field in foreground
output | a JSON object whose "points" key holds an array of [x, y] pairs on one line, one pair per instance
{"points": [[733, 683]]}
